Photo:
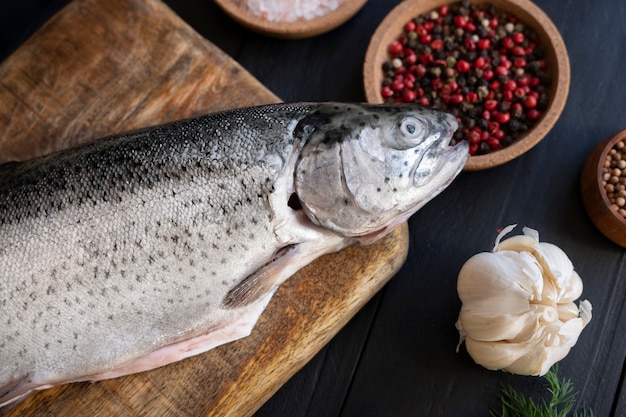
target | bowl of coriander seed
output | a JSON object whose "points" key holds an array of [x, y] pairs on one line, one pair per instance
{"points": [[603, 187]]}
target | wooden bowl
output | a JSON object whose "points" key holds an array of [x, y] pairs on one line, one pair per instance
{"points": [[551, 42], [595, 199], [291, 30]]}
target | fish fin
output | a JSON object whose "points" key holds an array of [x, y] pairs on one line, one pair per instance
{"points": [[14, 392], [263, 280], [285, 263]]}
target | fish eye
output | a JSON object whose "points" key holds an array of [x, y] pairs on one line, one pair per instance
{"points": [[412, 129]]}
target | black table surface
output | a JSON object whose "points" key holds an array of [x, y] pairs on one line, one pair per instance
{"points": [[397, 356]]}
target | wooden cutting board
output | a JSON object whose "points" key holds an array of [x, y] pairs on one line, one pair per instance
{"points": [[105, 66]]}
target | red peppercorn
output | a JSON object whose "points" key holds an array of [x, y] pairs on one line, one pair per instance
{"points": [[488, 74], [386, 92], [471, 97], [470, 27], [509, 85], [491, 104], [469, 44], [443, 10], [493, 23], [493, 143], [507, 95], [518, 37], [530, 102], [533, 114], [395, 48], [437, 44], [463, 66], [423, 101], [501, 70], [480, 62], [460, 21], [503, 117], [425, 39], [484, 43], [508, 43], [397, 85], [486, 114], [410, 59], [523, 80], [408, 96], [518, 51], [473, 136], [410, 26], [426, 59], [494, 85], [429, 25], [456, 98], [420, 70]]}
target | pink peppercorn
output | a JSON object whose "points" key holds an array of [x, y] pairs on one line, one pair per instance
{"points": [[484, 44], [395, 48], [463, 66]]}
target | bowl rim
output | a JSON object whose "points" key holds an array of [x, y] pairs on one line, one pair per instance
{"points": [[292, 30], [607, 144], [529, 14]]}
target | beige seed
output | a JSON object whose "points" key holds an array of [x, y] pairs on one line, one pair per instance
{"points": [[620, 201]]}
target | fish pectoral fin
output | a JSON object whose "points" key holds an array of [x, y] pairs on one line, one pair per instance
{"points": [[263, 280], [14, 391], [284, 264]]}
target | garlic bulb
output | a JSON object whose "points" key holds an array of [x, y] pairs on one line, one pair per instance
{"points": [[518, 311]]}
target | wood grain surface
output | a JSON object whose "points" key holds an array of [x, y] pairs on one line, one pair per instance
{"points": [[104, 66]]}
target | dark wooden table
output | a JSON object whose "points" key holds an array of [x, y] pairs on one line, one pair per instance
{"points": [[397, 356]]}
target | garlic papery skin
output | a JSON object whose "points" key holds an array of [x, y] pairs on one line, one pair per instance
{"points": [[518, 312]]}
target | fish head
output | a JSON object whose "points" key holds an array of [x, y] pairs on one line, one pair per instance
{"points": [[367, 168]]}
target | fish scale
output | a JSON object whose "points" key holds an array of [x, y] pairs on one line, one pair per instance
{"points": [[144, 248]]}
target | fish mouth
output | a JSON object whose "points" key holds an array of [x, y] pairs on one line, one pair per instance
{"points": [[439, 155]]}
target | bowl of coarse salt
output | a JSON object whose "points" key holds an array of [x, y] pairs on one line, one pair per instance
{"points": [[603, 187], [291, 19], [500, 66]]}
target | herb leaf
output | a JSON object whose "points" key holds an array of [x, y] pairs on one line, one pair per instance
{"points": [[561, 403]]}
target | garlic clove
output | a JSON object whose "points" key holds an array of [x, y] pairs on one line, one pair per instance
{"points": [[555, 262], [572, 289], [486, 275], [495, 327], [517, 243], [567, 311], [497, 355]]}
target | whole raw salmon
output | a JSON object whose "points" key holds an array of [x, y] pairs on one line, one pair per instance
{"points": [[148, 247]]}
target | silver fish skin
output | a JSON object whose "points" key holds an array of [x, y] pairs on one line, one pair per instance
{"points": [[144, 248]]}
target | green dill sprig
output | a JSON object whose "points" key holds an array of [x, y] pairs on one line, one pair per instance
{"points": [[561, 403]]}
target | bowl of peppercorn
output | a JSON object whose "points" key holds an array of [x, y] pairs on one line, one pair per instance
{"points": [[500, 66], [603, 187]]}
